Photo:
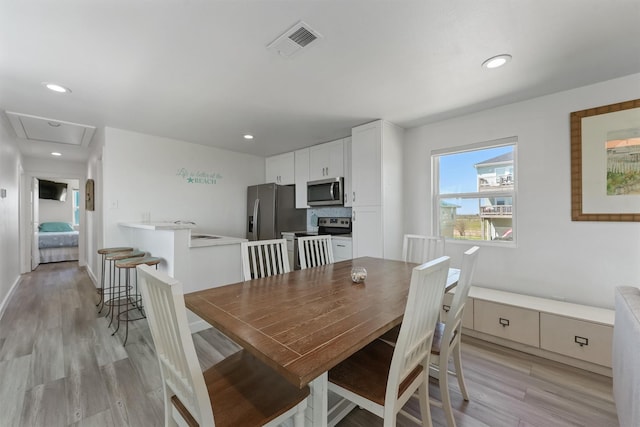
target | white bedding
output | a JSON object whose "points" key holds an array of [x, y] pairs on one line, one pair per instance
{"points": [[58, 246]]}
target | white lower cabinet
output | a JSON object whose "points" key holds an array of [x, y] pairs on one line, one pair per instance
{"points": [[367, 231], [341, 248], [508, 322], [576, 338]]}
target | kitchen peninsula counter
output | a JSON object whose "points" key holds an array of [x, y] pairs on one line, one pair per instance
{"points": [[198, 260]]}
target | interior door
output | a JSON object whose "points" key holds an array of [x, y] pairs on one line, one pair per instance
{"points": [[35, 218]]}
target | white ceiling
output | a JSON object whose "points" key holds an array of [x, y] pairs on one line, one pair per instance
{"points": [[199, 70]]}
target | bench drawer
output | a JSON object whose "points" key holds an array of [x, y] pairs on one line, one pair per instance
{"points": [[508, 322], [467, 315], [576, 338]]}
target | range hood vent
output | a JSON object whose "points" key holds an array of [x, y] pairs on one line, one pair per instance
{"points": [[294, 40]]}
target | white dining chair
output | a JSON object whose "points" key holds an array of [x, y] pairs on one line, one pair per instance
{"points": [[446, 343], [314, 251], [238, 391], [264, 258], [417, 248], [381, 378]]}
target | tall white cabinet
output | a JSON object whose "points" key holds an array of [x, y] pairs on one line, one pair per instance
{"points": [[376, 181]]}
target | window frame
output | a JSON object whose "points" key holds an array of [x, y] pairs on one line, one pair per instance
{"points": [[436, 197], [76, 208]]}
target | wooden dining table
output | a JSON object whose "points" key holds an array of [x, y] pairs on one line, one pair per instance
{"points": [[305, 322]]}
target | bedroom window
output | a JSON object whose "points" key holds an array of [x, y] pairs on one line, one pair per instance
{"points": [[474, 191], [76, 206]]}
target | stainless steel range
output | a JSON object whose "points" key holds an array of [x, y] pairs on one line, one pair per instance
{"points": [[326, 225]]}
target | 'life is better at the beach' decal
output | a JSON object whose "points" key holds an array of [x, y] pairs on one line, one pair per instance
{"points": [[199, 177]]}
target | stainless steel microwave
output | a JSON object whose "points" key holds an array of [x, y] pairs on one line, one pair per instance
{"points": [[325, 192]]}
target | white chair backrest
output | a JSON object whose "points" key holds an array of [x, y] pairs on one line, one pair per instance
{"points": [[263, 258], [413, 347], [454, 316], [314, 251], [420, 249], [167, 317]]}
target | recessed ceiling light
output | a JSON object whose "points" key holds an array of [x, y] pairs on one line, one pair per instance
{"points": [[497, 61], [56, 87], [248, 137], [55, 153]]}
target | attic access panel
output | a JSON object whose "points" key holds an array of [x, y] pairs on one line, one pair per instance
{"points": [[42, 129]]}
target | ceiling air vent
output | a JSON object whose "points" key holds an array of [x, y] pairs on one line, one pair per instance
{"points": [[294, 40]]}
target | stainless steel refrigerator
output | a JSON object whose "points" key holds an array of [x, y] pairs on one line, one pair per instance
{"points": [[271, 209]]}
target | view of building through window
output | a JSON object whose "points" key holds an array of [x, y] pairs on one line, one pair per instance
{"points": [[476, 192]]}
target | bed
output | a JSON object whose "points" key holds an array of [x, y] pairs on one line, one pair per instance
{"points": [[57, 241]]}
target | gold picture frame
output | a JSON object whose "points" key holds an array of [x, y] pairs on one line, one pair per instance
{"points": [[591, 200], [89, 195]]}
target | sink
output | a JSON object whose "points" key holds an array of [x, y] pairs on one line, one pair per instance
{"points": [[203, 236]]}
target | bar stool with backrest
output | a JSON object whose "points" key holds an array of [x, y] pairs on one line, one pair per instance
{"points": [[114, 280], [103, 254], [129, 299], [381, 378], [314, 251], [263, 258], [237, 391]]}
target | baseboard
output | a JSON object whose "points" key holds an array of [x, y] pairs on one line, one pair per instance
{"points": [[93, 278], [198, 325], [9, 294]]}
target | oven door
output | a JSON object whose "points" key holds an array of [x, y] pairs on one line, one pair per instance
{"points": [[325, 192]]}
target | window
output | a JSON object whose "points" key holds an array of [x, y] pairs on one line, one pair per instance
{"points": [[475, 191], [76, 206]]}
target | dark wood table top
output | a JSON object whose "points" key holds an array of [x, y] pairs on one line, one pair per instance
{"points": [[305, 322]]}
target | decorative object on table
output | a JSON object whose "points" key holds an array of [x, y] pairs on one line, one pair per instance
{"points": [[358, 274], [605, 163], [89, 192]]}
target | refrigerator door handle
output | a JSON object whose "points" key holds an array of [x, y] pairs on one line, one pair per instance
{"points": [[256, 220]]}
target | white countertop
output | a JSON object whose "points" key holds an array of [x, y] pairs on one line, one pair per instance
{"points": [[157, 225], [213, 240]]}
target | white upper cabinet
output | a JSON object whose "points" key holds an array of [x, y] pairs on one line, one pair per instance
{"points": [[302, 176], [326, 160], [366, 165], [348, 193], [280, 169]]}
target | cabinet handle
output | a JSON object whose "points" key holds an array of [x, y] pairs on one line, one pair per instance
{"points": [[504, 322], [341, 246], [446, 308], [354, 216], [354, 197], [581, 340]]}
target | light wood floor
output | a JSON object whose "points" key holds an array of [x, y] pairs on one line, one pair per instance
{"points": [[60, 366]]}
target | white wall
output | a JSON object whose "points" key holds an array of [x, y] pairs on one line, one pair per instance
{"points": [[56, 211], [141, 176], [10, 171], [578, 261]]}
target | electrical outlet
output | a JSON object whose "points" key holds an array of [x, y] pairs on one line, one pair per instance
{"points": [[114, 204]]}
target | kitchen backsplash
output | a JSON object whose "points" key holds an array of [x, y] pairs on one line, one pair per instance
{"points": [[314, 213]]}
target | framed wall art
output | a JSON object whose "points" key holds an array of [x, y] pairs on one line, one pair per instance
{"points": [[605, 163], [89, 192]]}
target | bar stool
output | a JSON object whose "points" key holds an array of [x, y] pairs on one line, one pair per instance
{"points": [[132, 301], [103, 254], [113, 258]]}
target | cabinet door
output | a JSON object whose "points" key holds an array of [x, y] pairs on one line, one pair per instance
{"points": [[367, 231], [342, 249], [348, 192], [302, 176], [366, 165], [280, 169], [326, 160]]}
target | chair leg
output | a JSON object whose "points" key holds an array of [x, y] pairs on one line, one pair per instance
{"points": [[443, 379], [457, 360], [423, 397]]}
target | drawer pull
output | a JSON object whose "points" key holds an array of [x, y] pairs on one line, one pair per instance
{"points": [[446, 308], [504, 322], [341, 246], [581, 340]]}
